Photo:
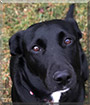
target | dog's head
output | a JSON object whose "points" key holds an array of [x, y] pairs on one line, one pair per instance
{"points": [[53, 53]]}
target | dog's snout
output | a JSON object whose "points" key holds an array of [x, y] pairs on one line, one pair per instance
{"points": [[62, 77]]}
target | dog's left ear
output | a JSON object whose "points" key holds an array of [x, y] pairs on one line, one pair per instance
{"points": [[70, 17], [15, 43]]}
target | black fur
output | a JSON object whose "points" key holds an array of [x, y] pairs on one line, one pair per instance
{"points": [[41, 71]]}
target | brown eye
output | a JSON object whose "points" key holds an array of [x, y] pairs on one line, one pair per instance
{"points": [[67, 41], [36, 48]]}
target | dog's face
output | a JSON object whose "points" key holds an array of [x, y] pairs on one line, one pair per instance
{"points": [[52, 52]]}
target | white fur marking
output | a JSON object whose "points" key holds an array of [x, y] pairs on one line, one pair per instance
{"points": [[57, 95]]}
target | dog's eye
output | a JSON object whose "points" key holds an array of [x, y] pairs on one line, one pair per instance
{"points": [[36, 48], [67, 41]]}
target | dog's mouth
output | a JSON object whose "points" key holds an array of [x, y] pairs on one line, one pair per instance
{"points": [[55, 96]]}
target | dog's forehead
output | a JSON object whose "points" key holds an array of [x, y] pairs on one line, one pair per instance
{"points": [[48, 30], [53, 27]]}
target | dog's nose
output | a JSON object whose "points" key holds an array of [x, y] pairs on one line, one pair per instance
{"points": [[62, 77]]}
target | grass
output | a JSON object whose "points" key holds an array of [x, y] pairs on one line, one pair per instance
{"points": [[20, 16]]}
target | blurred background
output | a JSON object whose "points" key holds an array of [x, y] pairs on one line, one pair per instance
{"points": [[18, 17]]}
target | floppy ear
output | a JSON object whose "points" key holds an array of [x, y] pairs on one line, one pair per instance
{"points": [[84, 65], [15, 43], [85, 71], [70, 17]]}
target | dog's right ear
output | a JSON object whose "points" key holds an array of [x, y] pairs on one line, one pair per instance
{"points": [[15, 43], [70, 12], [70, 17]]}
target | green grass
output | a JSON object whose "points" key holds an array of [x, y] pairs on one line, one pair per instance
{"points": [[18, 17]]}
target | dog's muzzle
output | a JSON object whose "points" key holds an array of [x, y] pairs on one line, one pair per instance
{"points": [[62, 78], [55, 97]]}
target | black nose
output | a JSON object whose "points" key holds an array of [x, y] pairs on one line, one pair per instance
{"points": [[62, 77]]}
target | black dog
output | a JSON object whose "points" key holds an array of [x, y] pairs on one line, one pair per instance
{"points": [[47, 62]]}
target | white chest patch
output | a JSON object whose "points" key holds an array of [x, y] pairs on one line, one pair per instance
{"points": [[57, 95]]}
